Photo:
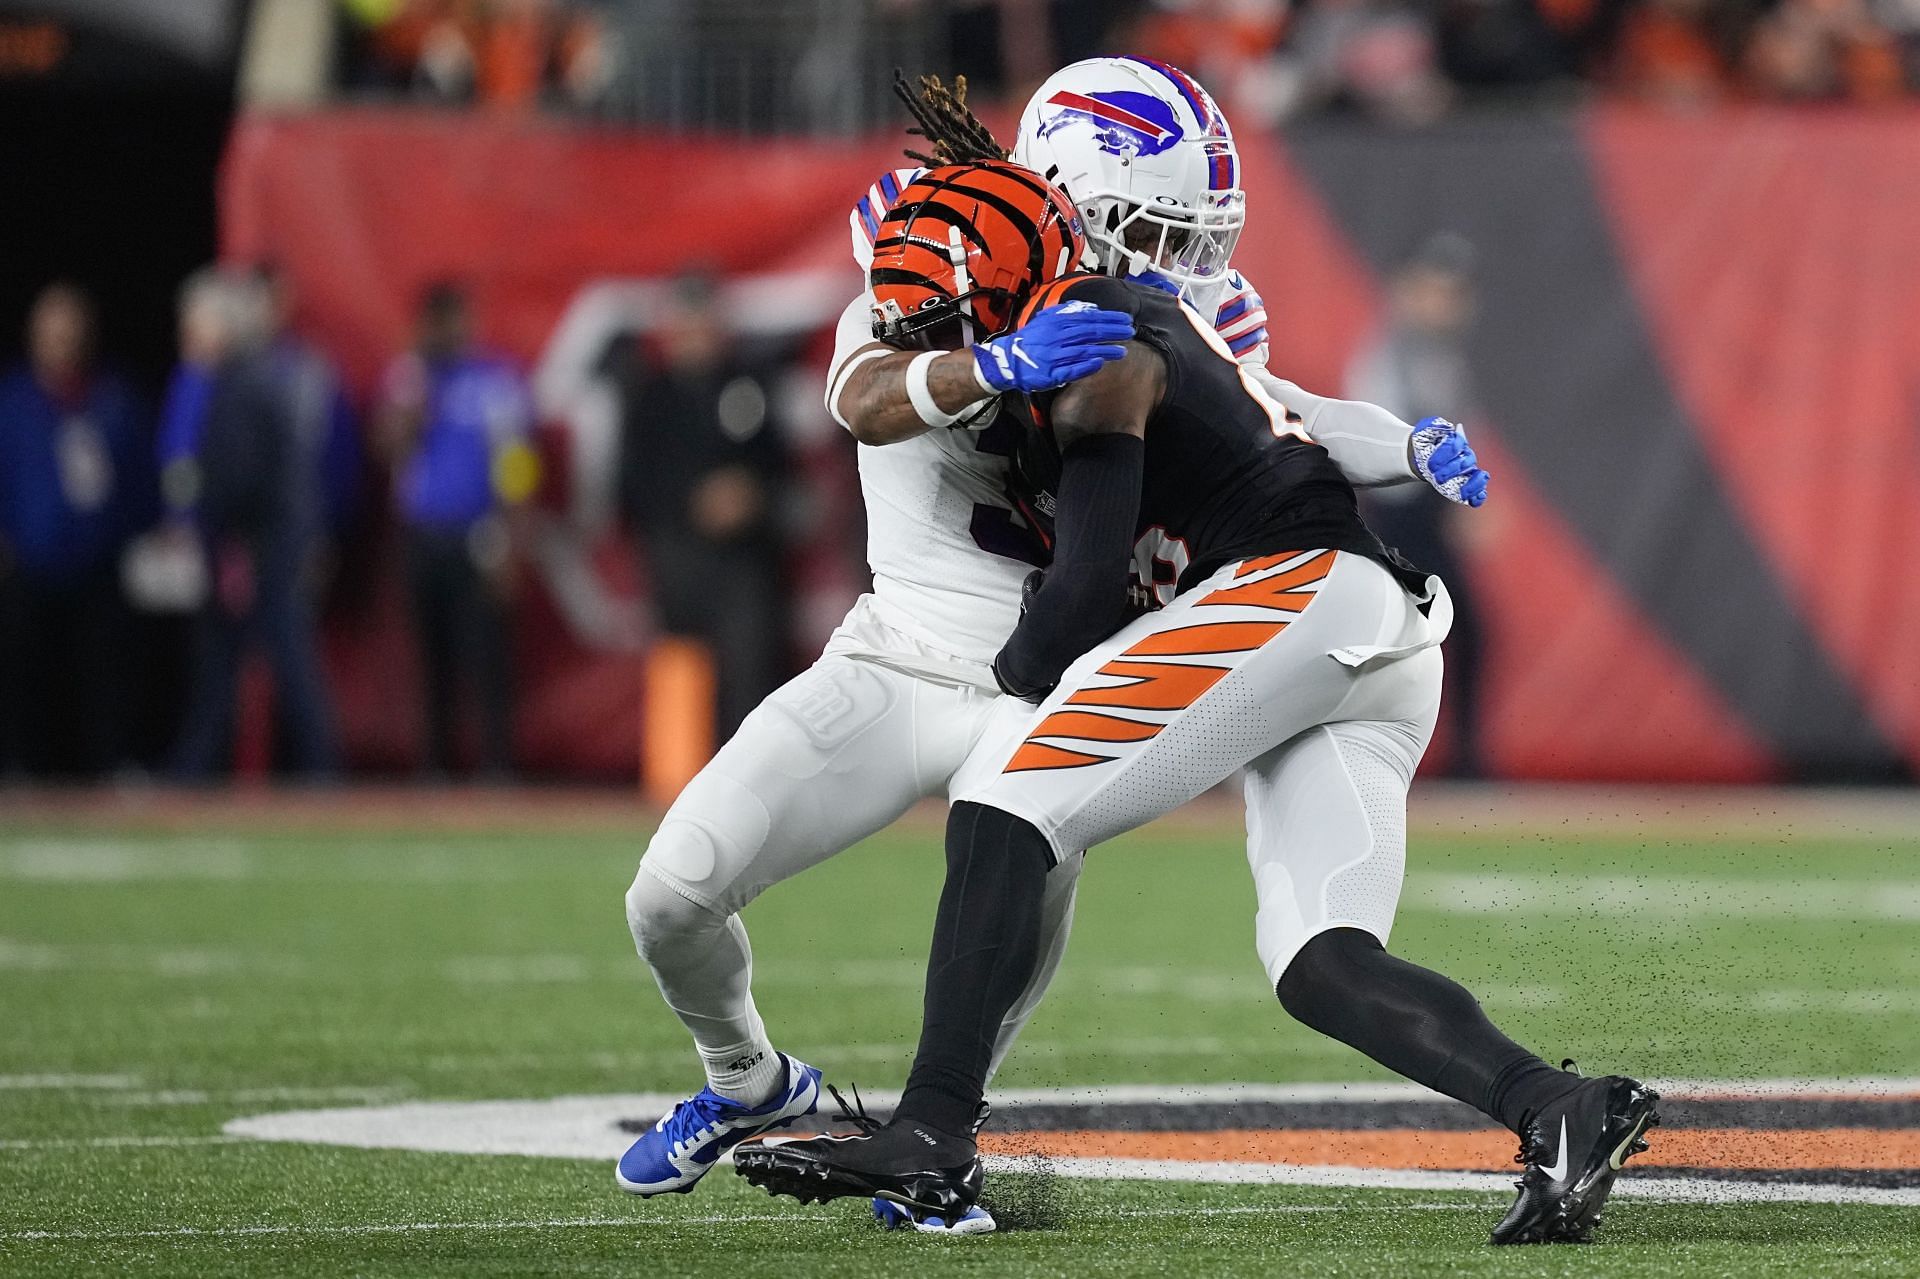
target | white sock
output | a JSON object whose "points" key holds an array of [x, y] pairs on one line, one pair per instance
{"points": [[751, 1072]]}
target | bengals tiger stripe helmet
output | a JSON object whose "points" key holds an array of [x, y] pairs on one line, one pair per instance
{"points": [[962, 248]]}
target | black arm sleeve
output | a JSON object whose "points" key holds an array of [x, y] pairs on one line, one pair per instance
{"points": [[1084, 598]]}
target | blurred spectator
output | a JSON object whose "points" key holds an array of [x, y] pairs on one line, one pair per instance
{"points": [[240, 477], [75, 482], [324, 423], [510, 54], [1375, 56], [1228, 44], [702, 468], [1815, 50], [1672, 53], [1418, 368], [455, 423]]}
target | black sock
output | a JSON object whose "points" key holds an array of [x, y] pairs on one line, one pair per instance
{"points": [[1414, 1021], [986, 942]]}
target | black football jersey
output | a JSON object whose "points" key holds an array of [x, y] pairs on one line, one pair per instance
{"points": [[1229, 472]]}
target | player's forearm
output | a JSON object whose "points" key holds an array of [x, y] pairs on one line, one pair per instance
{"points": [[874, 403], [1083, 599], [1365, 441]]}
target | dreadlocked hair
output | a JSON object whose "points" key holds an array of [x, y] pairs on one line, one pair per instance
{"points": [[954, 133]]}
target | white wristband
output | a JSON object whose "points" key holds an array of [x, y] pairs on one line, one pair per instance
{"points": [[921, 398], [980, 375]]}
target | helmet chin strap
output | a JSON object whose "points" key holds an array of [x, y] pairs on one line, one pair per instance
{"points": [[962, 283]]}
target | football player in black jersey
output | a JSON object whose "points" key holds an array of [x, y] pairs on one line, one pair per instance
{"points": [[1280, 638]]}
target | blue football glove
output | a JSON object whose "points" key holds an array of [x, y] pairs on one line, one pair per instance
{"points": [[1154, 280], [1443, 458], [1055, 347]]}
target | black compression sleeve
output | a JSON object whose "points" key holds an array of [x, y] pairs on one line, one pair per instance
{"points": [[1344, 984], [1084, 598], [986, 945]]}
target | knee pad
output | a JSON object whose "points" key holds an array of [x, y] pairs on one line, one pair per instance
{"points": [[659, 914]]}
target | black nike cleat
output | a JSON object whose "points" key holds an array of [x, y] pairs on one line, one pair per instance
{"points": [[1572, 1150], [903, 1161]]}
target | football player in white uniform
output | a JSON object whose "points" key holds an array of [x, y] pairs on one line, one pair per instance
{"points": [[901, 694]]}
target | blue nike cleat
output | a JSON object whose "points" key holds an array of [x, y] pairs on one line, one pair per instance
{"points": [[975, 1221], [689, 1139]]}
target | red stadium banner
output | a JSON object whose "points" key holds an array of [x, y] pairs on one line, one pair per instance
{"points": [[1698, 359]]}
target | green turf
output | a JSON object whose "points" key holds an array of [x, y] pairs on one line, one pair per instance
{"points": [[218, 976]]}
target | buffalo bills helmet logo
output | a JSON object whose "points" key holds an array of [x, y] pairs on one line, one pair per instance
{"points": [[1126, 124]]}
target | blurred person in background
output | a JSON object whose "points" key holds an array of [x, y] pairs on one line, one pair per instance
{"points": [[1822, 50], [1418, 367], [512, 55], [324, 422], [1373, 56], [75, 482], [455, 423], [702, 467], [1671, 53], [241, 480]]}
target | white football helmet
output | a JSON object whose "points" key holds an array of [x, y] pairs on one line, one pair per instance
{"points": [[1146, 156]]}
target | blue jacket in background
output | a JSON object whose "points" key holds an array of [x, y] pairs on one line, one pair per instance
{"points": [[477, 404], [76, 478], [327, 434]]}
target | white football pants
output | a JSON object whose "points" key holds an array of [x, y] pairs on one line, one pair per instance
{"points": [[1316, 672], [830, 758]]}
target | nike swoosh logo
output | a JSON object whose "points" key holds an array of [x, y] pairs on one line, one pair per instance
{"points": [[1557, 1171]]}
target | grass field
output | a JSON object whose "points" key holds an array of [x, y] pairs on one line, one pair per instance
{"points": [[156, 984]]}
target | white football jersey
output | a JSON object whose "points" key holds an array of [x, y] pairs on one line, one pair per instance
{"points": [[947, 550], [937, 509]]}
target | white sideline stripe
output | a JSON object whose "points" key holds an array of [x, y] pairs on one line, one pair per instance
{"points": [[1855, 1086], [1671, 1189], [109, 1143], [582, 1127]]}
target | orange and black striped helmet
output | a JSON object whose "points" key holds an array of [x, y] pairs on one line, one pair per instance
{"points": [[962, 248]]}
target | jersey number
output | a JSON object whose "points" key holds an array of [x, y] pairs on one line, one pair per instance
{"points": [[1159, 562], [1282, 422], [998, 530]]}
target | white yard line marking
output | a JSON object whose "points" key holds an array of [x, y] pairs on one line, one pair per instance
{"points": [[250, 1096], [1626, 898], [102, 861], [60, 1083], [419, 1227], [716, 1219], [110, 1143], [160, 961]]}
